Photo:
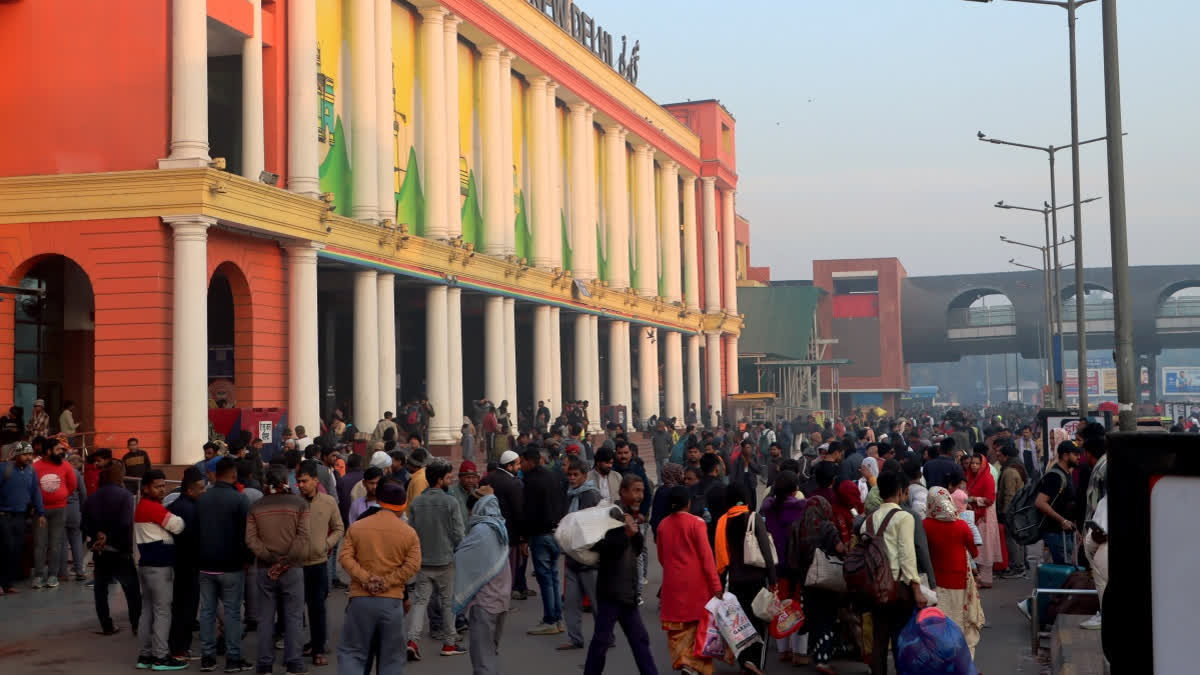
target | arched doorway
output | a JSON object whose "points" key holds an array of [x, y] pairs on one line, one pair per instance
{"points": [[55, 341], [222, 347]]}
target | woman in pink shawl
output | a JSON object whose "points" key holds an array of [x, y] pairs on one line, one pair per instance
{"points": [[981, 489]]}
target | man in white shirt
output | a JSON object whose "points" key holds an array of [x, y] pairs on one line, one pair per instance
{"points": [[302, 439], [902, 556]]}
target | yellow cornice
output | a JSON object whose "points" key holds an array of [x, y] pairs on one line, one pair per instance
{"points": [[242, 204]]}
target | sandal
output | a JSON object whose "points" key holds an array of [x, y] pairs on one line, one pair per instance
{"points": [[800, 660], [320, 660], [785, 657]]}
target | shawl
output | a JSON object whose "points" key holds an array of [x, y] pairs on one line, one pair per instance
{"points": [[981, 484], [482, 554], [721, 546], [848, 503], [941, 506], [573, 494], [672, 474]]}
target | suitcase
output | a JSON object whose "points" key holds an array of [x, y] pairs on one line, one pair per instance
{"points": [[1054, 576]]}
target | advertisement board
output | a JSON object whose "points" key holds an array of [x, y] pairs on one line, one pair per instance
{"points": [[1102, 382], [1179, 380]]}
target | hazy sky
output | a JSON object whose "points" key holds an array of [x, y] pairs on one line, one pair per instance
{"points": [[856, 122]]}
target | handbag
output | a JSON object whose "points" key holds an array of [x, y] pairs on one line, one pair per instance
{"points": [[825, 573], [765, 605], [753, 554]]}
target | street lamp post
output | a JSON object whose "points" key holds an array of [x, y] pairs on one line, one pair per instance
{"points": [[1047, 344], [1071, 6]]}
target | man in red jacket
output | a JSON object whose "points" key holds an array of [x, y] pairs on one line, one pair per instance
{"points": [[57, 480]]}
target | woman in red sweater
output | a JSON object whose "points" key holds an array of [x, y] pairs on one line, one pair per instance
{"points": [[689, 580], [951, 546]]}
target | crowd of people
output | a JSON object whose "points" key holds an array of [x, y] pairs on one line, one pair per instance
{"points": [[254, 543]]}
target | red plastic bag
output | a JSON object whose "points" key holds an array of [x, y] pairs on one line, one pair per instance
{"points": [[789, 620], [709, 643]]}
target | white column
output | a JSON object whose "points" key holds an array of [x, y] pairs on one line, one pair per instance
{"points": [[506, 165], [495, 387], [583, 357], [593, 397], [366, 350], [556, 394], [583, 229], [304, 386], [647, 371], [647, 228], [189, 335], [453, 198], [364, 134], [693, 373], [619, 385], [189, 87], [437, 362], [731, 367], [712, 251], [712, 354], [729, 253], [554, 159], [302, 99], [454, 331], [543, 387], [691, 253], [673, 374], [386, 318], [539, 167], [616, 208], [385, 115], [252, 98], [497, 182], [510, 354], [669, 230], [433, 119], [591, 255]]}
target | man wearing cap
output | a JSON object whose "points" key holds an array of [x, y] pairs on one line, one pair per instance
{"points": [[438, 522], [58, 482], [19, 491], [510, 493], [39, 420], [468, 481], [381, 554]]}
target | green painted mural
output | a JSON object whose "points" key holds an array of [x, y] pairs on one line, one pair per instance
{"points": [[410, 202], [472, 217]]}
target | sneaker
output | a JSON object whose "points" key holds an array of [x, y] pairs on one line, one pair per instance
{"points": [[518, 595], [298, 670], [145, 662], [185, 656], [530, 593], [1011, 574], [238, 666], [1092, 623], [37, 583], [452, 650], [207, 664], [52, 582], [279, 643], [169, 663], [544, 629], [562, 627], [414, 652], [1024, 607]]}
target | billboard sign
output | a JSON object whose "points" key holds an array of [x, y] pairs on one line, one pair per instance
{"points": [[1180, 380]]}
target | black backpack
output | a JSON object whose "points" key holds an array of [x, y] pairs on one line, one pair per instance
{"points": [[1023, 522]]}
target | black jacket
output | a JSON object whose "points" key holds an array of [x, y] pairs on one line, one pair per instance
{"points": [[187, 543], [221, 524], [110, 510], [617, 580], [510, 493], [545, 501], [637, 468]]}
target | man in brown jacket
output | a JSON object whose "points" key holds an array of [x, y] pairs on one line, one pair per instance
{"points": [[1012, 479], [277, 534], [324, 531], [381, 553]]}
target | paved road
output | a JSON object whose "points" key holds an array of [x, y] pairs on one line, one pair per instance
{"points": [[51, 631]]}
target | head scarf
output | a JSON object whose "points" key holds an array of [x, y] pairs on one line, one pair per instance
{"points": [[960, 501], [381, 460], [872, 466], [483, 552], [847, 496], [941, 506], [672, 474]]}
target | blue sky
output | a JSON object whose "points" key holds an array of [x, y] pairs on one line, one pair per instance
{"points": [[856, 122]]}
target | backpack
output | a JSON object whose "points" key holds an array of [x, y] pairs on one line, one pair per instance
{"points": [[1023, 522], [867, 570]]}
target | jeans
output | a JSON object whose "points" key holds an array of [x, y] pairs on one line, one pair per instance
{"points": [[290, 587], [185, 600], [608, 614], [316, 591], [153, 633], [48, 538], [73, 538], [423, 590], [118, 566], [12, 546], [228, 588], [580, 581], [485, 635], [373, 621], [1061, 547], [544, 551]]}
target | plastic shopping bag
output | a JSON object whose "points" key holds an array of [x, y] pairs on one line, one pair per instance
{"points": [[930, 644], [765, 605], [733, 623], [788, 620], [578, 532], [709, 643]]}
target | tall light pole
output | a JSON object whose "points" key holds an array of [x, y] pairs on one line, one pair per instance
{"points": [[1081, 347], [1054, 386]]}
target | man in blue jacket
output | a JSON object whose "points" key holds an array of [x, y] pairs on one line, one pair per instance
{"points": [[108, 526], [19, 491], [221, 524]]}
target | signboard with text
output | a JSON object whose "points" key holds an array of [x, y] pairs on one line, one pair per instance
{"points": [[1180, 380]]}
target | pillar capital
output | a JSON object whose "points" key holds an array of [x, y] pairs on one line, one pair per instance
{"points": [[302, 251], [689, 180], [190, 227], [708, 181], [506, 57], [614, 130], [578, 108], [433, 13], [450, 22], [492, 51], [539, 82], [669, 165]]}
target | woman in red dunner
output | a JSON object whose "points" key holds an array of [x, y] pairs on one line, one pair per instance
{"points": [[689, 580], [981, 489]]}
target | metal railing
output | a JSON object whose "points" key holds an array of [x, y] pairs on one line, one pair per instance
{"points": [[1094, 311], [1180, 307], [982, 317], [1035, 622]]}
